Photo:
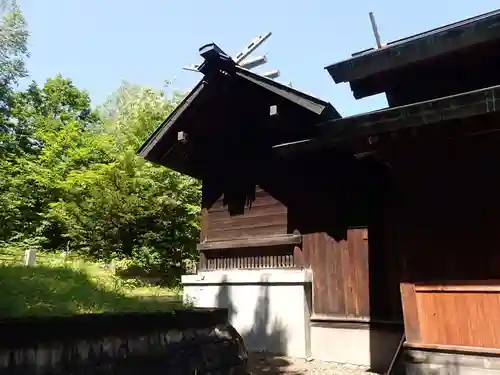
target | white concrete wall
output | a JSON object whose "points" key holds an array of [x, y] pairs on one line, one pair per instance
{"points": [[372, 348], [269, 308]]}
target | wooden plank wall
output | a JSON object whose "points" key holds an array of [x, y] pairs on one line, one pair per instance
{"points": [[445, 230], [340, 270], [459, 315], [267, 216], [354, 279]]}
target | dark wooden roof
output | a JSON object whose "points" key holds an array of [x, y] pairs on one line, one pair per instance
{"points": [[428, 113], [431, 43], [228, 112], [468, 46]]}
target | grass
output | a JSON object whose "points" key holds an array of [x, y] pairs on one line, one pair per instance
{"points": [[57, 286]]}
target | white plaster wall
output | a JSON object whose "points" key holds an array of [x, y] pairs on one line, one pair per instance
{"points": [[269, 308]]}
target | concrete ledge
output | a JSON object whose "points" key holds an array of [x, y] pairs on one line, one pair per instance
{"points": [[431, 362], [249, 277], [183, 342]]}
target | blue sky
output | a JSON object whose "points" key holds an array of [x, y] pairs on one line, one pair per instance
{"points": [[99, 43]]}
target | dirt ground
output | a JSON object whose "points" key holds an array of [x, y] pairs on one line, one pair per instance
{"points": [[266, 364]]}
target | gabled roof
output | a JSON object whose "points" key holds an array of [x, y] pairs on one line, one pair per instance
{"points": [[230, 99]]}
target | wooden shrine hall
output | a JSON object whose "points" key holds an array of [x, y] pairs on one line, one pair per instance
{"points": [[368, 239]]}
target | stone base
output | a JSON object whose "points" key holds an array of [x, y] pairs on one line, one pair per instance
{"points": [[427, 362], [269, 308]]}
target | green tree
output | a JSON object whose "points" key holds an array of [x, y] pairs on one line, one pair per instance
{"points": [[54, 141], [79, 184], [128, 208], [69, 175], [13, 53]]}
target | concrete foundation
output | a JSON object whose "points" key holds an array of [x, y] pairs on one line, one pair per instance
{"points": [[269, 308], [363, 345], [428, 362]]}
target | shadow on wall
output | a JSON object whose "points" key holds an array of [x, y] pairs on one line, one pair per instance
{"points": [[266, 341]]}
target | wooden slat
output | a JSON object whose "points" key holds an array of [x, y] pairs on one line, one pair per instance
{"points": [[250, 258], [266, 217], [480, 288], [410, 312], [253, 232], [359, 319], [341, 284], [247, 222], [298, 256], [358, 245], [205, 225], [274, 207], [262, 199], [288, 239], [453, 348]]}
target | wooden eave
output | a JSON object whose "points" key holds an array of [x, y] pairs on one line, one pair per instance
{"points": [[147, 149], [428, 113]]}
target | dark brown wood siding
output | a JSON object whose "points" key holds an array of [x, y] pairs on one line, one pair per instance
{"points": [[266, 217], [444, 232], [340, 272]]}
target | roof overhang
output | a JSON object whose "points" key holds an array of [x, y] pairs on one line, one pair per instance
{"points": [[427, 114], [228, 114], [437, 55]]}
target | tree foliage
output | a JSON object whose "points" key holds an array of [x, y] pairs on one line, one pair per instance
{"points": [[70, 177], [128, 207], [82, 186], [13, 52]]}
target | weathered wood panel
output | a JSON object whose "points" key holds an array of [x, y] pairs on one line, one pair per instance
{"points": [[454, 315], [265, 217], [340, 271], [410, 312]]}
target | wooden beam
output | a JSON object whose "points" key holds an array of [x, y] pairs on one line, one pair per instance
{"points": [[287, 239], [452, 348], [459, 108], [410, 312], [356, 319]]}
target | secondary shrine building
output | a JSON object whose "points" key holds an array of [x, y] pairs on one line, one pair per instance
{"points": [[372, 239]]}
